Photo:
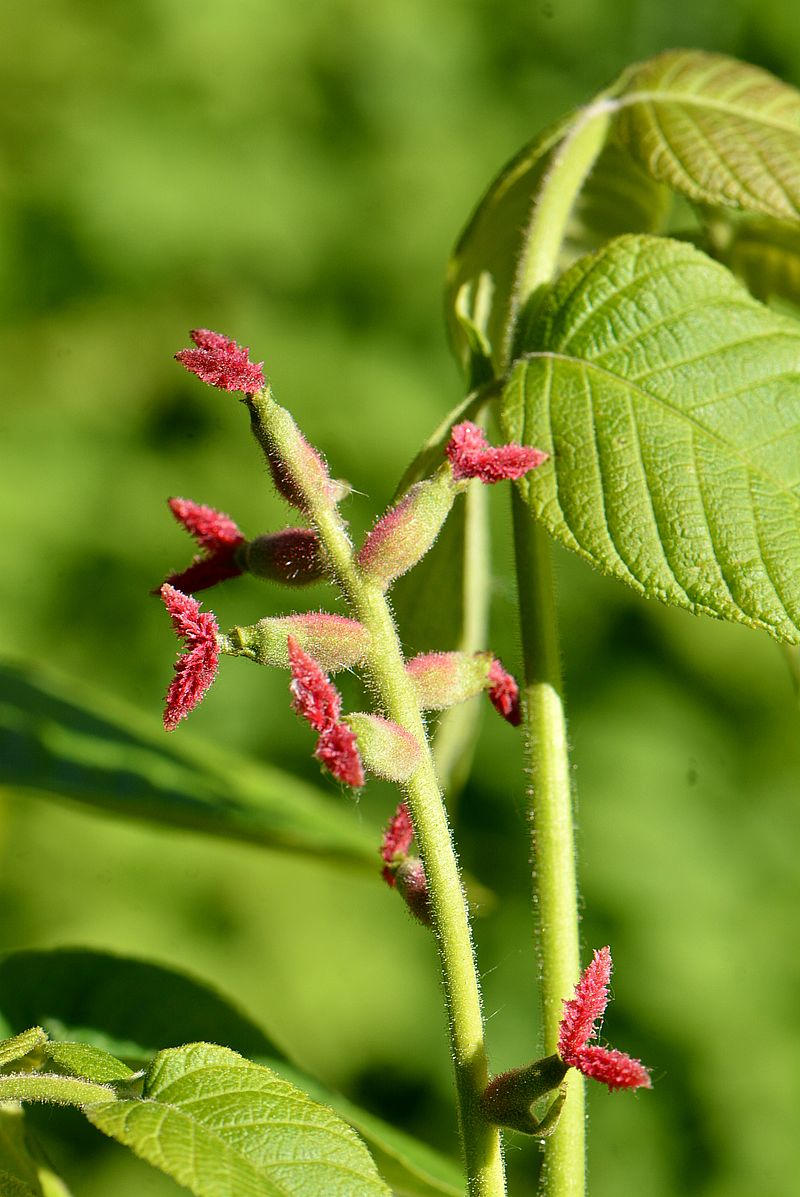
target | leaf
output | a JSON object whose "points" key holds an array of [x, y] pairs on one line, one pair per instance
{"points": [[132, 1008], [82, 1059], [57, 742], [765, 255], [129, 1008], [219, 1124], [717, 130], [20, 1045], [617, 197], [670, 402]]}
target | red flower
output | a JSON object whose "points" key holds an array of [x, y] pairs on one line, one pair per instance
{"points": [[222, 363], [218, 535], [315, 697], [195, 669], [471, 456], [579, 1024], [337, 750], [504, 694], [396, 841]]}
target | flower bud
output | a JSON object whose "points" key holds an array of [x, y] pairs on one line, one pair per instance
{"points": [[442, 680], [507, 1100], [387, 750], [292, 556], [299, 472], [333, 640], [404, 534], [412, 883]]}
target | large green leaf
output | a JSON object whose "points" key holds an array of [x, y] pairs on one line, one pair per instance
{"points": [[669, 400], [221, 1125], [132, 1008], [717, 130], [56, 741]]}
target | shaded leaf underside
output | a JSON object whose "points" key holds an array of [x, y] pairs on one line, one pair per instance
{"points": [[717, 130]]}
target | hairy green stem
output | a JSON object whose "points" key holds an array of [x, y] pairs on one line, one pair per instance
{"points": [[386, 667], [547, 758], [555, 880]]}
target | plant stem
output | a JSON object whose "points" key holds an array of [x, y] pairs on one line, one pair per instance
{"points": [[449, 915], [555, 881], [547, 758]]}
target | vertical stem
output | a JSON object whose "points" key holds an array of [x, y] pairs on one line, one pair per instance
{"points": [[483, 1159], [553, 840], [547, 759]]}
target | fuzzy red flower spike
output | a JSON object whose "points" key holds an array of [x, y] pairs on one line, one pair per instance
{"points": [[579, 1024], [219, 537], [471, 456], [222, 363], [196, 668], [316, 699], [396, 840]]}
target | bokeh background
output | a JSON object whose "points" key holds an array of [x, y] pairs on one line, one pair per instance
{"points": [[295, 175]]}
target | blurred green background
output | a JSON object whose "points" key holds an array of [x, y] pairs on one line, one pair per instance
{"points": [[295, 175]]}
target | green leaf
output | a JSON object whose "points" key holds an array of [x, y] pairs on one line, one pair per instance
{"points": [[132, 1008], [715, 129], [218, 1123], [20, 1045], [670, 402], [765, 255], [83, 1059], [56, 741], [129, 1008], [618, 197]]}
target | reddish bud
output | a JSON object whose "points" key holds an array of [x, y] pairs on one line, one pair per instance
{"points": [[299, 472], [471, 456], [334, 641], [314, 696], [218, 535], [412, 883], [293, 556], [397, 837], [443, 679], [195, 669], [579, 1024], [504, 694], [404, 534], [386, 748], [337, 750], [222, 363]]}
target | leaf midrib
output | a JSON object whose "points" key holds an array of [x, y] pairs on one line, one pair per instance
{"points": [[584, 363], [690, 99]]}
